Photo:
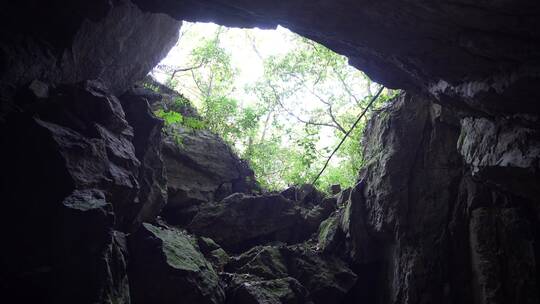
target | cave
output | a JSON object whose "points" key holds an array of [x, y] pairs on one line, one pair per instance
{"points": [[100, 208]]}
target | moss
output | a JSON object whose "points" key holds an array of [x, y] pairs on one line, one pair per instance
{"points": [[266, 262], [179, 250], [219, 257], [327, 231], [277, 289]]}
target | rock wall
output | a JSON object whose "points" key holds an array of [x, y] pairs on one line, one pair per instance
{"points": [[438, 217], [72, 41]]}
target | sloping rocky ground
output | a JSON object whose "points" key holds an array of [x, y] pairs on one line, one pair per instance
{"points": [[123, 213]]}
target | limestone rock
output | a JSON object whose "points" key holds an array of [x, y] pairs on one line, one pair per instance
{"points": [[327, 279], [505, 152], [167, 99], [201, 168], [72, 256], [240, 220], [78, 148], [113, 41], [166, 267], [330, 234], [453, 50], [248, 289], [306, 194], [152, 179], [419, 210], [213, 252]]}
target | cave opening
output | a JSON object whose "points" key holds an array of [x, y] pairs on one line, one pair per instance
{"points": [[282, 101], [102, 206]]}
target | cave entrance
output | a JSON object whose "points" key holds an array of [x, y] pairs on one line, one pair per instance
{"points": [[282, 101]]}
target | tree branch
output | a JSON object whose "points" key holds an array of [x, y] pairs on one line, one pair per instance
{"points": [[186, 69], [328, 104], [278, 100], [346, 87], [348, 132]]}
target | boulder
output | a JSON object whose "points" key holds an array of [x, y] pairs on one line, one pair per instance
{"points": [[200, 168], [166, 266], [213, 252], [72, 255], [92, 258], [306, 194], [248, 289], [327, 279], [241, 221], [330, 236], [335, 189]]}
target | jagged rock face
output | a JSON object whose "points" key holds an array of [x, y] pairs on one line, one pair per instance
{"points": [[166, 267], [246, 289], [241, 221], [467, 52], [75, 41], [91, 137], [147, 140], [72, 176], [327, 279], [201, 168], [167, 99], [434, 229], [503, 151]]}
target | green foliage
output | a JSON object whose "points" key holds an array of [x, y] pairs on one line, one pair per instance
{"points": [[305, 101], [193, 123], [170, 118], [151, 87]]}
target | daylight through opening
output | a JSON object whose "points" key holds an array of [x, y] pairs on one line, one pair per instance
{"points": [[283, 102]]}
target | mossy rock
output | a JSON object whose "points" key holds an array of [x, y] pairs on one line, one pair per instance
{"points": [[329, 233], [167, 265], [248, 289]]}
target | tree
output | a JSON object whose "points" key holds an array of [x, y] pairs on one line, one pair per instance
{"points": [[336, 94], [304, 103]]}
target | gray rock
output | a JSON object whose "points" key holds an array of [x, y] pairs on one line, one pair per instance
{"points": [[201, 168], [213, 252], [248, 289], [113, 41], [152, 179], [305, 194], [79, 150], [330, 234], [327, 279], [239, 221], [335, 189], [505, 152], [421, 226], [453, 50], [166, 266]]}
